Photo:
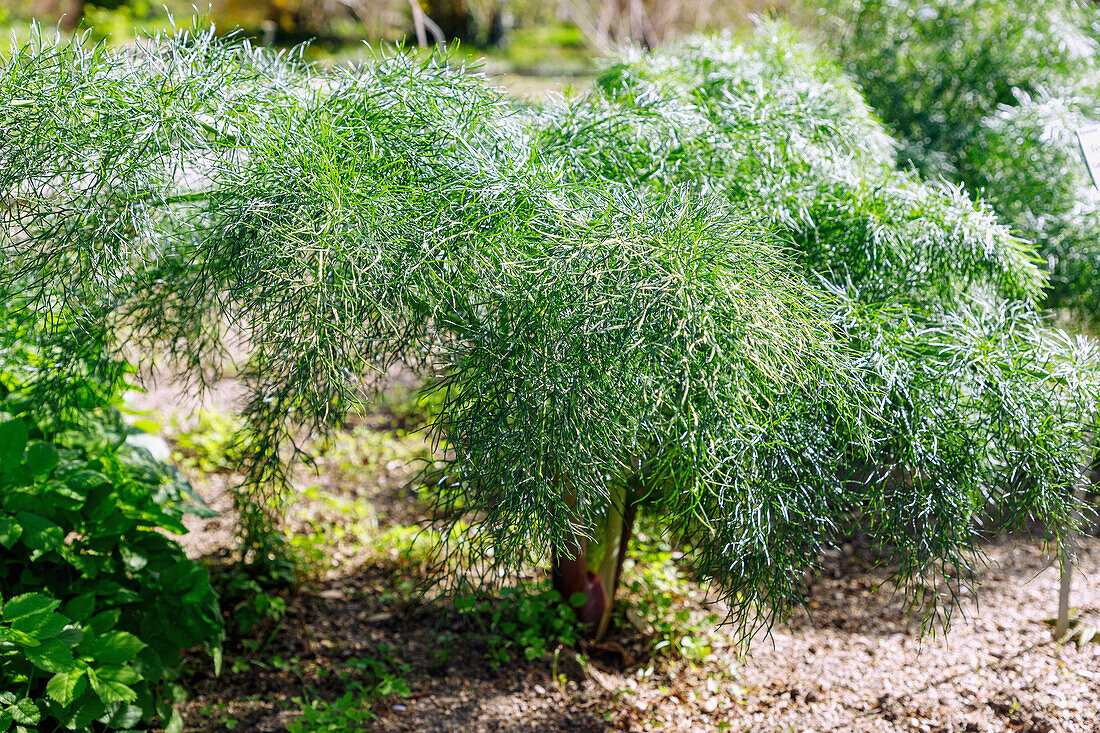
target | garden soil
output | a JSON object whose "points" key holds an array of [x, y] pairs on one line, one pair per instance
{"points": [[852, 661]]}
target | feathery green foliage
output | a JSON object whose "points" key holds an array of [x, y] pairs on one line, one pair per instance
{"points": [[776, 129], [348, 220], [934, 70], [990, 95], [1028, 161], [977, 404], [700, 292]]}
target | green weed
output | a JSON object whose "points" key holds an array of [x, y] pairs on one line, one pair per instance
{"points": [[367, 681], [662, 593], [522, 621], [210, 445]]}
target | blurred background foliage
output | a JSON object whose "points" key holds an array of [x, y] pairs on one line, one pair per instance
{"points": [[991, 94], [555, 38]]}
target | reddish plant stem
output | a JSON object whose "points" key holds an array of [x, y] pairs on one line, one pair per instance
{"points": [[570, 573], [571, 576]]}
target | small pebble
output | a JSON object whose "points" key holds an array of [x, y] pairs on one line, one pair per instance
{"points": [[399, 708]]}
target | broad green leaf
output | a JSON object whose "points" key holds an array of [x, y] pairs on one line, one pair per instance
{"points": [[174, 692], [110, 691], [175, 723], [104, 621], [81, 607], [165, 521], [14, 636], [13, 439], [64, 497], [85, 481], [26, 605], [51, 656], [9, 530], [114, 524], [41, 625], [64, 687], [5, 720], [41, 458], [39, 533], [115, 647], [25, 712], [71, 635], [121, 716], [86, 708], [123, 675]]}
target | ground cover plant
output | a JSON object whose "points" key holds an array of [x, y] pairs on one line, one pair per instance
{"points": [[991, 95], [96, 602], [751, 334]]}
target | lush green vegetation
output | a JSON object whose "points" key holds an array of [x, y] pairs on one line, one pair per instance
{"points": [[701, 293], [97, 603], [366, 680], [990, 95], [404, 201]]}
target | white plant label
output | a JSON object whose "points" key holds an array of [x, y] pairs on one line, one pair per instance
{"points": [[1090, 146]]}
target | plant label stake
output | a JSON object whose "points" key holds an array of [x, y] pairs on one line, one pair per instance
{"points": [[1069, 548], [1089, 137]]}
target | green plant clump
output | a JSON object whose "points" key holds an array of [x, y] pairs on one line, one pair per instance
{"points": [[366, 680], [934, 70], [521, 620], [210, 445], [96, 601], [1027, 161], [699, 293]]}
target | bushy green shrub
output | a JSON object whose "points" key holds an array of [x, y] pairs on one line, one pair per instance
{"points": [[935, 69], [574, 324], [524, 620], [1027, 161], [976, 401], [990, 95], [96, 601], [700, 292]]}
